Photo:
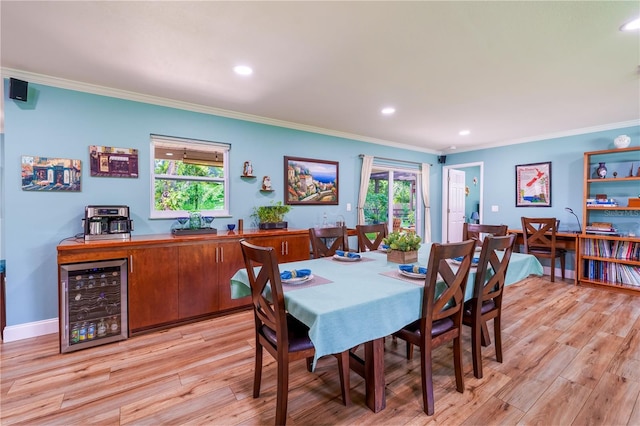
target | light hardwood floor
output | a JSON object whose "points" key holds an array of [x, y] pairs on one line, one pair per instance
{"points": [[571, 357]]}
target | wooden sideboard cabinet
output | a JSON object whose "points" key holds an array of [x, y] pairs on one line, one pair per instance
{"points": [[178, 279]]}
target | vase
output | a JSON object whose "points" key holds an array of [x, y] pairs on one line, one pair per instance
{"points": [[601, 171], [622, 141]]}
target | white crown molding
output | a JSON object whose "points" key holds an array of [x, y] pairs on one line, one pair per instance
{"points": [[573, 132], [171, 103]]}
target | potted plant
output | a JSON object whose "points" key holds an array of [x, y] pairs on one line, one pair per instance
{"points": [[403, 246], [271, 216]]}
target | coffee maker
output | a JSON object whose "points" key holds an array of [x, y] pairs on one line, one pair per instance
{"points": [[107, 223]]}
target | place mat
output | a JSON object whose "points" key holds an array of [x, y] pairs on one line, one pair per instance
{"points": [[317, 280], [397, 275], [362, 259]]}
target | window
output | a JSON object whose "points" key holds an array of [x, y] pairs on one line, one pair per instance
{"points": [[188, 175], [392, 197]]}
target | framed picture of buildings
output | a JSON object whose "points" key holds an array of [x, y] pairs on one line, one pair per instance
{"points": [[108, 161], [310, 182], [533, 185], [50, 174]]}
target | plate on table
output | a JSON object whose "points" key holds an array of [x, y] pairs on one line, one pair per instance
{"points": [[297, 280], [345, 258], [413, 275], [474, 261]]}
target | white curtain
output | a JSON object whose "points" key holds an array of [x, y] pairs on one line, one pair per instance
{"points": [[426, 171], [365, 175]]}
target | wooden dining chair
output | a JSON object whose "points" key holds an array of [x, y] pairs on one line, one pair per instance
{"points": [[378, 231], [486, 303], [539, 237], [325, 241], [476, 231], [282, 335], [441, 319]]}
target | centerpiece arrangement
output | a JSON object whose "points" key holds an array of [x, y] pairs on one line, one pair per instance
{"points": [[271, 216], [403, 246]]}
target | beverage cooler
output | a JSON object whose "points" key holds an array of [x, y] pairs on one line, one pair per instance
{"points": [[93, 304]]}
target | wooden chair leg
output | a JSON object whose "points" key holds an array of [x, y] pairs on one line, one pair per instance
{"points": [[257, 374], [457, 361], [409, 350], [562, 265], [427, 381], [497, 327], [345, 383], [476, 352], [486, 339], [310, 364], [553, 270], [282, 392]]}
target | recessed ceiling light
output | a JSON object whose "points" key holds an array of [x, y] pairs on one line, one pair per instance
{"points": [[464, 132], [452, 147], [631, 25], [388, 110], [242, 70]]}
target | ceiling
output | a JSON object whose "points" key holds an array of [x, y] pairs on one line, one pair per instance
{"points": [[509, 72]]}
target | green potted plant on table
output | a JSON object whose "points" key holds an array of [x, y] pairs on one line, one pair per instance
{"points": [[403, 246], [271, 216]]}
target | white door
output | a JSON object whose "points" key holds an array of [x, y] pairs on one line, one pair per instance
{"points": [[456, 199]]}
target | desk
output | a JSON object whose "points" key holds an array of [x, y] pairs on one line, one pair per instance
{"points": [[361, 305], [565, 240]]}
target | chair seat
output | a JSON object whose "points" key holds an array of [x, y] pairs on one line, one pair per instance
{"points": [[487, 306], [438, 327], [298, 335]]}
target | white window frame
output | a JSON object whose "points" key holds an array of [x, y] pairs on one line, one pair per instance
{"points": [[199, 145]]}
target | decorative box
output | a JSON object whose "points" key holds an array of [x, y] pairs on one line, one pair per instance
{"points": [[634, 202], [398, 256]]}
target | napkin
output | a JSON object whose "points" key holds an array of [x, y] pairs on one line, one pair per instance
{"points": [[296, 273], [348, 254], [413, 268], [474, 261]]}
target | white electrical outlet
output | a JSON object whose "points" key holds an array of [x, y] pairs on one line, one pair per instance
{"points": [[348, 207], [494, 208]]}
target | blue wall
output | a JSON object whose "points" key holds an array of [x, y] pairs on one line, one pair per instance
{"points": [[566, 156], [63, 123]]}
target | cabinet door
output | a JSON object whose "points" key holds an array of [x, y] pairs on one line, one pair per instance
{"points": [[297, 247], [153, 287], [198, 280], [230, 260]]}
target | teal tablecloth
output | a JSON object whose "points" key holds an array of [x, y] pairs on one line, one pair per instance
{"points": [[361, 304]]}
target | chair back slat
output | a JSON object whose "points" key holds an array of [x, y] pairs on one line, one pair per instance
{"points": [[539, 233], [325, 241], [477, 231], [266, 289], [440, 272], [380, 230], [492, 268]]}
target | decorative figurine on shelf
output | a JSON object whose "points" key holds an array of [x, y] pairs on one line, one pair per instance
{"points": [[601, 171], [248, 169], [266, 183]]}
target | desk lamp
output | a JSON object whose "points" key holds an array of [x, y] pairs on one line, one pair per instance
{"points": [[570, 210]]}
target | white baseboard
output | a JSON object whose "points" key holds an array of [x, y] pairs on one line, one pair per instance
{"points": [[32, 329], [568, 273]]}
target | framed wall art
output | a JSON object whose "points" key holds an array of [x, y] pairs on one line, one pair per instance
{"points": [[50, 174], [310, 182], [533, 185], [107, 161]]}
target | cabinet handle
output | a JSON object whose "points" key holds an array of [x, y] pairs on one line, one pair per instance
{"points": [[131, 263], [286, 244], [221, 254], [217, 256]]}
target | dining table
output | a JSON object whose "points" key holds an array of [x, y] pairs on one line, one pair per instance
{"points": [[347, 303]]}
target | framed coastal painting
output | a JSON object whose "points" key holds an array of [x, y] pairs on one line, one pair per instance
{"points": [[533, 185], [50, 174], [310, 182]]}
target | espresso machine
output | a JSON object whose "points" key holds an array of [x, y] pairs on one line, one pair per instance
{"points": [[107, 223]]}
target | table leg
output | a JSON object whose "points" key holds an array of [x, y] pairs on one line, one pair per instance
{"points": [[374, 375]]}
